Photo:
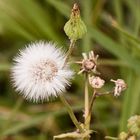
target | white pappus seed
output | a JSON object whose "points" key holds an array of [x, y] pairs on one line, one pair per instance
{"points": [[39, 71]]}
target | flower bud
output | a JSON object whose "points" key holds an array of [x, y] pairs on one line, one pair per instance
{"points": [[75, 27], [96, 82], [123, 136], [134, 125]]}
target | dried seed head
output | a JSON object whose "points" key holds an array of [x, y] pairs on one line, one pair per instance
{"points": [[120, 86], [96, 82], [88, 63], [45, 70], [75, 11]]}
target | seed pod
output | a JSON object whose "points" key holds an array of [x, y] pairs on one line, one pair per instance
{"points": [[75, 28]]}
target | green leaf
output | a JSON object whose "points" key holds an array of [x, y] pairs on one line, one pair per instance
{"points": [[60, 6], [131, 99], [113, 47], [128, 35], [35, 22], [87, 7]]}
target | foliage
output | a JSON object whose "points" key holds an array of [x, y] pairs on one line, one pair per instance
{"points": [[113, 31]]}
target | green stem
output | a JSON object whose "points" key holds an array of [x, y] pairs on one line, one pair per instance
{"points": [[95, 94], [69, 52], [70, 111], [90, 106], [111, 138], [88, 118], [87, 123]]}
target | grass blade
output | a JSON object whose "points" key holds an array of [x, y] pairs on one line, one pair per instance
{"points": [[114, 48], [61, 7]]}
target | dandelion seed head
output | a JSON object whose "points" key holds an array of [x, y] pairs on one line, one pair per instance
{"points": [[39, 72], [44, 71]]}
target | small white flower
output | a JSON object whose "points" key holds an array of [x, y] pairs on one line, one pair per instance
{"points": [[96, 82], [39, 71]]}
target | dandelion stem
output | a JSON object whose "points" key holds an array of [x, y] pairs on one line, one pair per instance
{"points": [[71, 47], [70, 111]]}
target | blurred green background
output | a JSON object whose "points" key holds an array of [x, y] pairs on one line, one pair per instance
{"points": [[113, 33]]}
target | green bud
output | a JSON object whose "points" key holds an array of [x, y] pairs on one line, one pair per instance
{"points": [[134, 125], [75, 28], [123, 136]]}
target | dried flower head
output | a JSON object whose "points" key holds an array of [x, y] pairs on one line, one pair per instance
{"points": [[120, 86], [134, 125], [89, 63], [96, 82], [39, 71]]}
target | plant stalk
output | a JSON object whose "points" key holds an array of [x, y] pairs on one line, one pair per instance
{"points": [[111, 138], [70, 111], [86, 101], [90, 107], [69, 52]]}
